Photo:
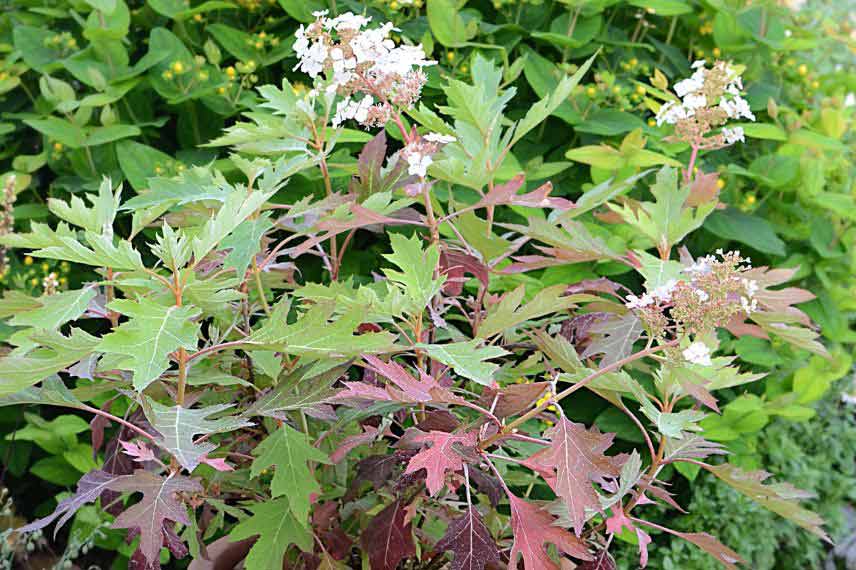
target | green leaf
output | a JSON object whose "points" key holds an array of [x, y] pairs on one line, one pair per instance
{"points": [[781, 498], [766, 131], [97, 218], [447, 24], [178, 425], [544, 77], [417, 268], [288, 451], [508, 312], [54, 353], [751, 230], [301, 10], [317, 334], [538, 112], [245, 242], [153, 332], [139, 162], [609, 122], [467, 359], [56, 310], [63, 244], [239, 205], [666, 221], [663, 7], [277, 529]]}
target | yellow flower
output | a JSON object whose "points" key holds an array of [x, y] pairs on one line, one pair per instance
{"points": [[750, 199], [197, 17], [177, 67], [230, 71], [63, 280], [633, 62], [259, 45], [262, 35], [393, 5], [57, 146], [591, 91], [652, 123], [34, 281], [720, 183], [221, 90], [717, 52], [450, 56], [815, 84], [464, 68], [616, 89], [45, 267], [167, 75], [640, 90], [28, 260], [802, 69]]}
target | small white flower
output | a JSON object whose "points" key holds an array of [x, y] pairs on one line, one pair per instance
{"points": [[749, 306], [418, 163], [697, 353], [701, 294], [439, 138], [751, 287], [663, 293], [700, 267], [850, 100], [693, 101], [634, 302], [733, 135], [689, 85], [736, 108]]}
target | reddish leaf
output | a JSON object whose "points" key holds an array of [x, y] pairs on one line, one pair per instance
{"points": [[441, 456], [139, 451], [405, 388], [506, 193], [388, 538], [602, 561], [439, 420], [471, 542], [512, 400], [219, 463], [533, 529], [572, 463], [703, 189], [369, 434], [159, 504], [455, 264]]}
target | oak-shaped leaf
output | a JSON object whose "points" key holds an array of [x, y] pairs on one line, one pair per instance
{"points": [[573, 462], [467, 359], [614, 337], [470, 541], [781, 498], [55, 310], [178, 426], [703, 540], [153, 332], [371, 178], [388, 538], [159, 504], [52, 353], [511, 311], [289, 450], [404, 387], [533, 529], [441, 452], [90, 486], [277, 528]]}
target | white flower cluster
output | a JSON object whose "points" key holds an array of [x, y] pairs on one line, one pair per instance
{"points": [[357, 59], [419, 152], [660, 294], [697, 353], [706, 89]]}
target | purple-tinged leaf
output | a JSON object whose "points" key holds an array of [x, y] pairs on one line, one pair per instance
{"points": [[89, 488], [388, 538], [614, 337], [159, 504], [470, 541]]}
